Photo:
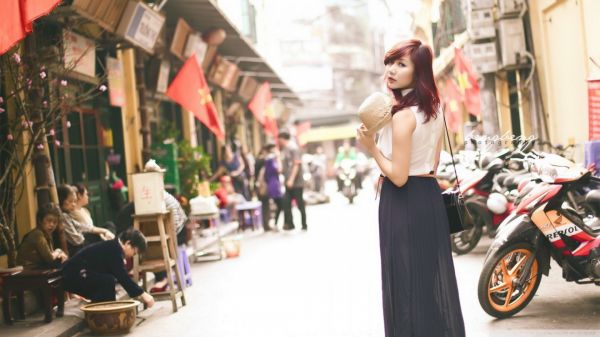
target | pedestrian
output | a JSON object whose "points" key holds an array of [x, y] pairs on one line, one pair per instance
{"points": [[270, 177], [92, 272], [232, 165], [420, 295], [291, 167]]}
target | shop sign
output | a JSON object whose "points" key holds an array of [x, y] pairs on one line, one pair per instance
{"points": [[80, 53], [182, 30], [106, 13], [116, 81], [163, 77], [195, 45], [141, 25], [594, 108]]}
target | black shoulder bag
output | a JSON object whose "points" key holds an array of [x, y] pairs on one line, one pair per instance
{"points": [[458, 217]]}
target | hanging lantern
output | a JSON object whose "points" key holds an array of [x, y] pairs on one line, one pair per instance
{"points": [[214, 36]]}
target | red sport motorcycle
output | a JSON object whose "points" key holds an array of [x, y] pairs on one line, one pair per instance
{"points": [[541, 227]]}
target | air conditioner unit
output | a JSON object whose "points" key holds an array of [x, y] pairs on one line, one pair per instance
{"points": [[480, 24], [483, 56], [480, 4], [507, 7], [512, 40]]}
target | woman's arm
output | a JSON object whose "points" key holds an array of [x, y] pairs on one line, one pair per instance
{"points": [[217, 174], [396, 169]]}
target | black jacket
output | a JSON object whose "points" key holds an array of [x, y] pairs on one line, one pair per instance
{"points": [[104, 257]]}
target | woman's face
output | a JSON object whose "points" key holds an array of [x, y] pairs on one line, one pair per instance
{"points": [[70, 204], [399, 74], [83, 199], [49, 223]]}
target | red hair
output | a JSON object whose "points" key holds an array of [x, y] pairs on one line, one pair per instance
{"points": [[425, 92]]}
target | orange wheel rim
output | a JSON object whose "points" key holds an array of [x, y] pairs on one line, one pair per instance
{"points": [[502, 294]]}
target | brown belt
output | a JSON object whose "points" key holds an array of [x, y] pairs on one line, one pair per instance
{"points": [[381, 177]]}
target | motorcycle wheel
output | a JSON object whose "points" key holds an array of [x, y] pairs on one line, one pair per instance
{"points": [[498, 296], [466, 240]]}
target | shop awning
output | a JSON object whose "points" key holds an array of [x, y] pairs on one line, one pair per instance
{"points": [[203, 15], [329, 133]]}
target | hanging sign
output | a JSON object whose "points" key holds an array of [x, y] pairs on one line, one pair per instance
{"points": [[594, 109], [141, 25], [80, 53], [116, 81]]}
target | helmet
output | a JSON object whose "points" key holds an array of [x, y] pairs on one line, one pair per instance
{"points": [[497, 203]]}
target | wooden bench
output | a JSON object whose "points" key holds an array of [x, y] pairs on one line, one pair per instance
{"points": [[45, 281]]}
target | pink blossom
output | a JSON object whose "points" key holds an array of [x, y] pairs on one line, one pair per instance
{"points": [[30, 123], [63, 83], [57, 142], [40, 146], [1, 99], [68, 124], [103, 88], [45, 104], [9, 137], [51, 132], [2, 110], [17, 58], [43, 75], [24, 124]]}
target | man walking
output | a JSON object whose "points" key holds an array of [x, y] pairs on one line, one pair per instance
{"points": [[294, 182]]}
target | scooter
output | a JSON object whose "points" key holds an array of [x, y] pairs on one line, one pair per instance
{"points": [[347, 178], [541, 227]]}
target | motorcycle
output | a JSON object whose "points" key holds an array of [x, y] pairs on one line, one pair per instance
{"points": [[541, 227], [348, 179], [489, 197]]}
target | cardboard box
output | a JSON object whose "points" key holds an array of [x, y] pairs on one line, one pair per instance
{"points": [[141, 25], [148, 192]]}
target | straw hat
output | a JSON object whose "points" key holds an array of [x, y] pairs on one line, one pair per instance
{"points": [[375, 111]]}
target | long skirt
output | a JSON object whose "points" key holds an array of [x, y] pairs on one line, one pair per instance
{"points": [[420, 295]]}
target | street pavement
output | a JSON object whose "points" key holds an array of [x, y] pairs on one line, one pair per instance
{"points": [[326, 282]]}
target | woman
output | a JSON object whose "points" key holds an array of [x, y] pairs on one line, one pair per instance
{"points": [[73, 229], [94, 270], [271, 176], [420, 295], [233, 166], [36, 250], [83, 215]]}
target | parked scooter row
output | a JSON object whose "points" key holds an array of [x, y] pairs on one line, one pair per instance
{"points": [[543, 226]]}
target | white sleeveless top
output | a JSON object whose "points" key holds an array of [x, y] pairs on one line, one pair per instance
{"points": [[424, 142]]}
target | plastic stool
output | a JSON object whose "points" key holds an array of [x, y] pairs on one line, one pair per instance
{"points": [[224, 215], [184, 266]]}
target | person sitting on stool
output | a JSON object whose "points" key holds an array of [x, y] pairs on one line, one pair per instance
{"points": [[92, 272]]}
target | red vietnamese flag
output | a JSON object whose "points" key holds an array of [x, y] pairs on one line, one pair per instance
{"points": [[35, 9], [12, 27], [262, 108], [452, 100], [302, 128], [467, 83], [190, 90]]}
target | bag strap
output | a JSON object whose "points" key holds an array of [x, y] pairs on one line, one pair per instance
{"points": [[451, 153]]}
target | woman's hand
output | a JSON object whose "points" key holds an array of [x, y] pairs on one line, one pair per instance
{"points": [[367, 141], [147, 299], [106, 235], [59, 255]]}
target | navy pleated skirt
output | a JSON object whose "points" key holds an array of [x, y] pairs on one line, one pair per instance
{"points": [[420, 295]]}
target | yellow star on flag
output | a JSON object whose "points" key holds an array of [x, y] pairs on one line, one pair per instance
{"points": [[205, 96], [463, 81]]}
